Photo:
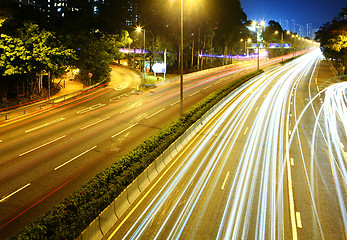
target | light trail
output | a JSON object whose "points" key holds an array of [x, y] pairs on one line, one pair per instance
{"points": [[256, 178]]}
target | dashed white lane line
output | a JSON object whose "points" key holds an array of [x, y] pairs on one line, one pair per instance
{"points": [[92, 124], [292, 161], [75, 158], [10, 195], [174, 103], [124, 130], [194, 94], [57, 139], [256, 109], [225, 180], [155, 113], [45, 125], [99, 105], [245, 131], [298, 220]]}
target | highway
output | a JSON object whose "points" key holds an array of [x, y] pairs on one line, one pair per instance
{"points": [[270, 165], [46, 155]]}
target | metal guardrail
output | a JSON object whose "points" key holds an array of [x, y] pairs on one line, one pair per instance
{"points": [[21, 111]]}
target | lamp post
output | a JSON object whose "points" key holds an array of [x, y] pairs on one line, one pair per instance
{"points": [[181, 63], [139, 29]]}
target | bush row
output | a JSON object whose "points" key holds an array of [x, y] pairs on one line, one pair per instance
{"points": [[69, 218]]}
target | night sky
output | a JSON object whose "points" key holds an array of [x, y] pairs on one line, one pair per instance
{"points": [[302, 11]]}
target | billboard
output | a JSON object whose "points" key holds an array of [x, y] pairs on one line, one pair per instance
{"points": [[261, 45], [159, 67], [279, 45]]}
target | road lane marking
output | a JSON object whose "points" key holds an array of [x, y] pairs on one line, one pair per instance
{"points": [[174, 103], [45, 125], [225, 180], [292, 161], [118, 97], [124, 130], [75, 158], [298, 219], [92, 124], [256, 109], [245, 131], [194, 94], [161, 176], [155, 113], [10, 195], [207, 87], [57, 139], [99, 105]]}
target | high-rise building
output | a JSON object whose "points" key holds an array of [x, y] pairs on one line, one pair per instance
{"points": [[309, 32], [132, 14], [293, 26], [286, 24], [59, 8]]}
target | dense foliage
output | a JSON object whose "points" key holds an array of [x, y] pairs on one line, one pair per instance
{"points": [[27, 53], [69, 218], [333, 39]]}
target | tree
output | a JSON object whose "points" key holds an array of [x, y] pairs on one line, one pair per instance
{"points": [[332, 38], [28, 53]]}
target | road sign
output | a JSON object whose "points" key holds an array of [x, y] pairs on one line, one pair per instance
{"points": [[90, 75]]}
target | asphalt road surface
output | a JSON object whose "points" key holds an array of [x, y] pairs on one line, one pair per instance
{"points": [[47, 154], [270, 165]]}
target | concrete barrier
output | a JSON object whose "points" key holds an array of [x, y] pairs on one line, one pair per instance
{"points": [[167, 156], [93, 231], [121, 204], [152, 172], [160, 164], [107, 219], [133, 191], [143, 180]]}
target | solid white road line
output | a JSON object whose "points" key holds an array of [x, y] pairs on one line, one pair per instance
{"points": [[92, 124], [75, 158], [57, 139], [225, 180], [10, 195], [45, 125], [155, 113], [124, 130]]}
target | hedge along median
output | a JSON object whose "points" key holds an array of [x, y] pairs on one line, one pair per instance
{"points": [[69, 218]]}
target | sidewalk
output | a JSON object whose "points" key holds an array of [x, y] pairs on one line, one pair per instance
{"points": [[68, 86]]}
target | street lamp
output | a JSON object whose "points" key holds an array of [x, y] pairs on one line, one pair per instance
{"points": [[181, 63], [139, 29]]}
